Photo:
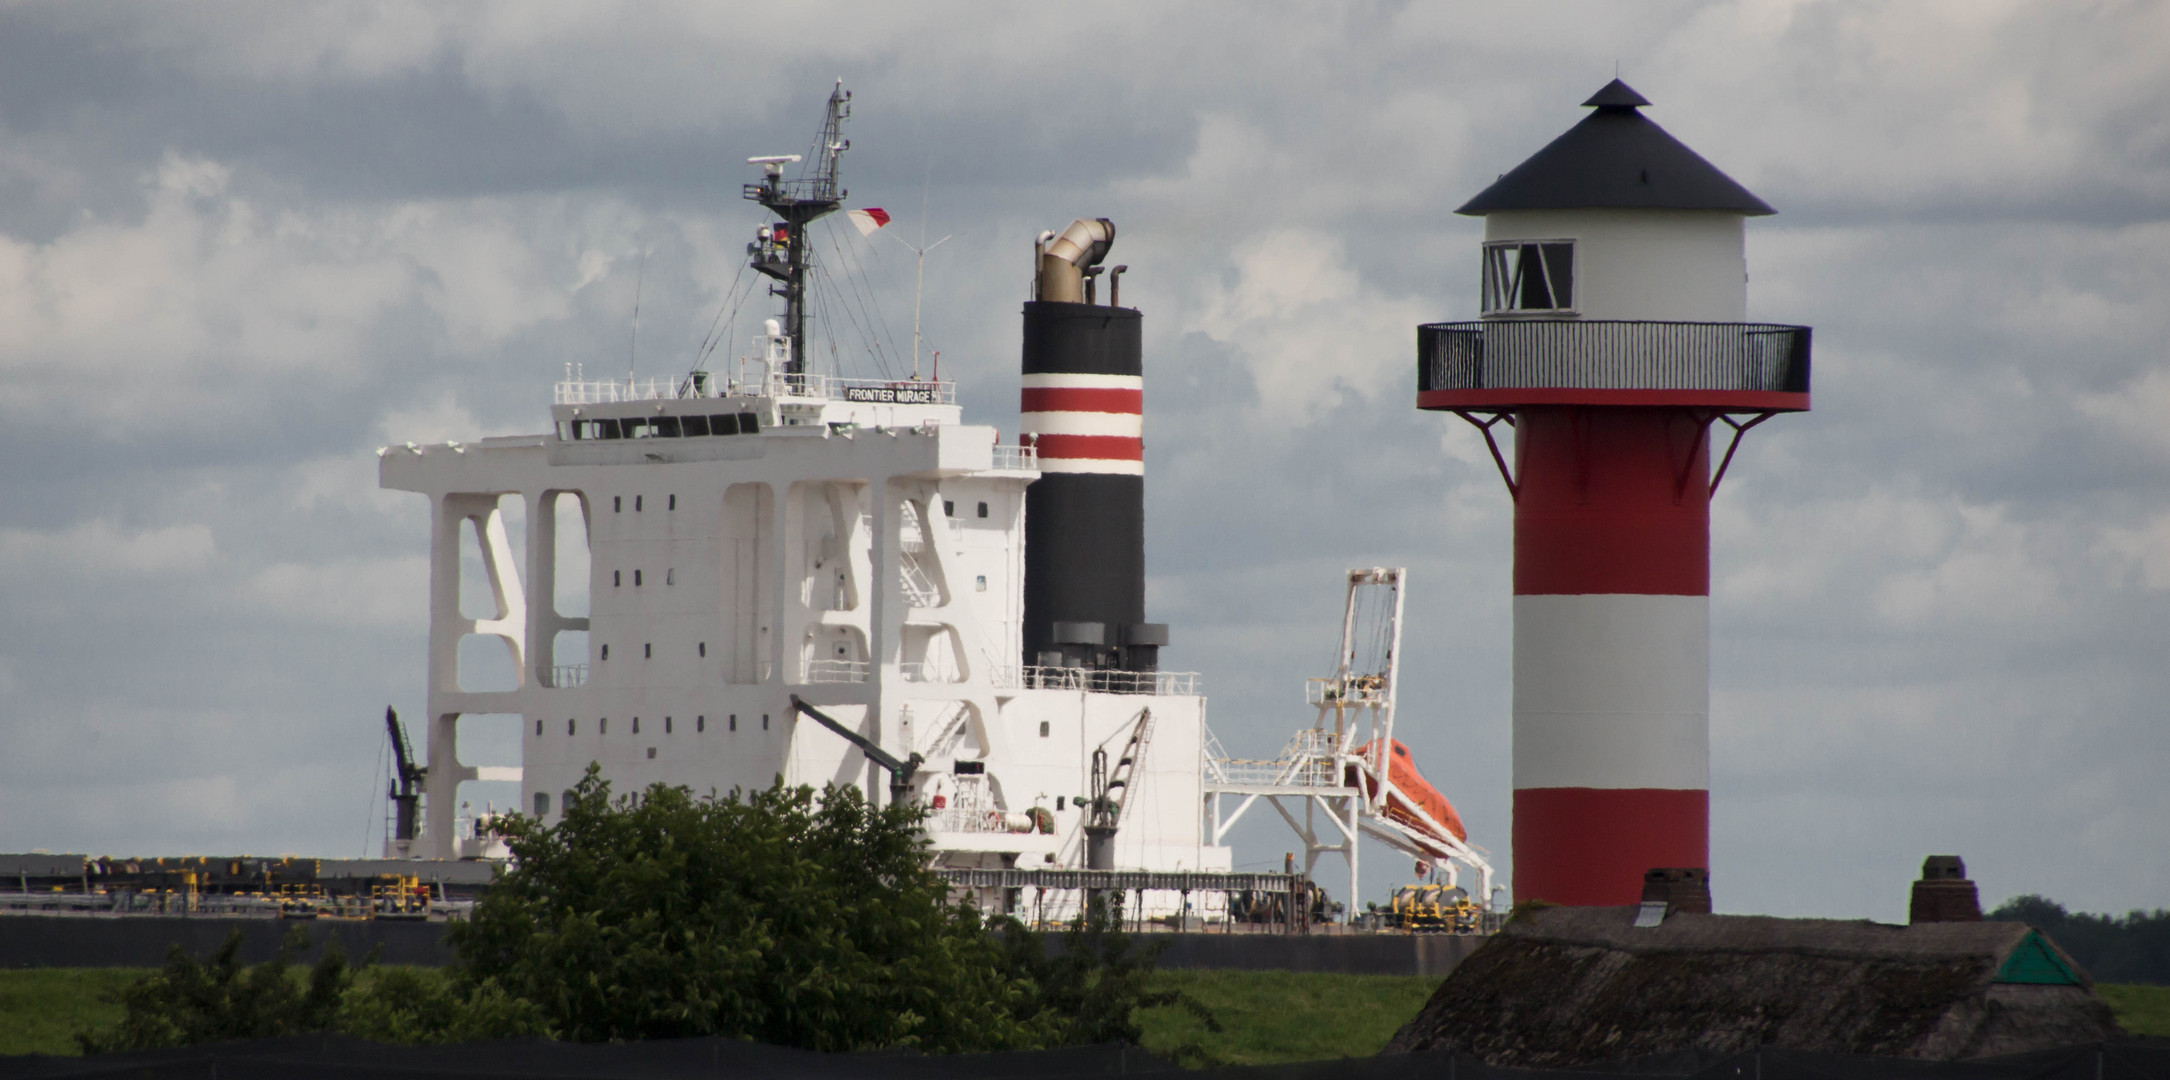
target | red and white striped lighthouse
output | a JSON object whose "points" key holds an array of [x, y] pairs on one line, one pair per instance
{"points": [[1614, 344]]}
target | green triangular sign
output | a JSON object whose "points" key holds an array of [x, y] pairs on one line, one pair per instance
{"points": [[2033, 961]]}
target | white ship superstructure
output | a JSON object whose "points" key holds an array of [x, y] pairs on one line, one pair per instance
{"points": [[770, 533], [852, 542]]}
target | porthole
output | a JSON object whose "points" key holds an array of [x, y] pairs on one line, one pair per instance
{"points": [[949, 508], [983, 509], [703, 649], [636, 504], [734, 721], [674, 502], [651, 753], [700, 724], [636, 725], [670, 576], [538, 727], [764, 721], [636, 579], [570, 725], [666, 725], [606, 652], [617, 504], [617, 578], [1043, 728], [602, 727], [648, 651]]}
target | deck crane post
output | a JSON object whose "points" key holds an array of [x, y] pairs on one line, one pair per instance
{"points": [[406, 789], [1110, 792], [900, 772]]}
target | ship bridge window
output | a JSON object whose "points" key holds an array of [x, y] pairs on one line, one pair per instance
{"points": [[726, 424], [665, 427], [595, 429], [693, 427], [749, 424], [636, 428], [1529, 276]]}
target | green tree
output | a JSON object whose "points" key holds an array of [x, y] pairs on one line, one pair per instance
{"points": [[774, 915], [1096, 979], [197, 1001]]}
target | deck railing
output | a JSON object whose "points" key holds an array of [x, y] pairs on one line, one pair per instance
{"points": [[1035, 677], [1592, 354]]}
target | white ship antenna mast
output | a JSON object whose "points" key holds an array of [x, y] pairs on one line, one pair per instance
{"points": [[632, 351]]}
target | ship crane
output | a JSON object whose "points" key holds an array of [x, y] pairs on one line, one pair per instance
{"points": [[1347, 767], [1110, 792], [900, 772], [406, 789]]}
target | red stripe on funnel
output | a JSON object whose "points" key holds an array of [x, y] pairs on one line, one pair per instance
{"points": [[1590, 846], [1082, 399], [1112, 447]]}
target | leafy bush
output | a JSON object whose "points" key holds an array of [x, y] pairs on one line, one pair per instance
{"points": [[217, 1000], [775, 916]]}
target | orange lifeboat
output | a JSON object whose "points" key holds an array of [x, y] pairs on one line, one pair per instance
{"points": [[1402, 770]]}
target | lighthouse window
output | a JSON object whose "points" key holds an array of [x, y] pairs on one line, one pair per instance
{"points": [[694, 426], [727, 424], [542, 803], [1523, 276]]}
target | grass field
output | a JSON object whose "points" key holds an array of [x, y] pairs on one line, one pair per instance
{"points": [[1269, 1017], [41, 1009], [1266, 1016]]}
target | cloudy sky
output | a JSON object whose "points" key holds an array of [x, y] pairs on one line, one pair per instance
{"points": [[244, 244]]}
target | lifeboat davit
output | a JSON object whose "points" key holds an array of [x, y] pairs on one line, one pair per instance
{"points": [[1402, 770]]}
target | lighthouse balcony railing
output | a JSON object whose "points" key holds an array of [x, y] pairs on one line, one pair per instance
{"points": [[1588, 354]]}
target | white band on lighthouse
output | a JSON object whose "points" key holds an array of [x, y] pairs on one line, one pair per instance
{"points": [[1611, 691], [1085, 423]]}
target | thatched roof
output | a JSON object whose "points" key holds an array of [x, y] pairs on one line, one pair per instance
{"points": [[1573, 986]]}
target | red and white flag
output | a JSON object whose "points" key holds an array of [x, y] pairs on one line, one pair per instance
{"points": [[869, 219]]}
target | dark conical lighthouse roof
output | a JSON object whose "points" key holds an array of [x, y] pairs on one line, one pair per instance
{"points": [[1616, 158]]}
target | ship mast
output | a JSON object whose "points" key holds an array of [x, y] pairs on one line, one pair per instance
{"points": [[780, 250]]}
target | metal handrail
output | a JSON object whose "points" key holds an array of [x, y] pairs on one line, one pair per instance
{"points": [[1036, 677], [1601, 354]]}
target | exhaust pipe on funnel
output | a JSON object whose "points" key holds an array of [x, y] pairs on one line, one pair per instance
{"points": [[1064, 257]]}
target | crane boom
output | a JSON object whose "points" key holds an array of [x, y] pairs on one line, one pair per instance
{"points": [[900, 772]]}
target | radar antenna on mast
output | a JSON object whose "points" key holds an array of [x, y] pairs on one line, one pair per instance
{"points": [[780, 250]]}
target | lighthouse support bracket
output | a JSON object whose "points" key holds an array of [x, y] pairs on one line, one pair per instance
{"points": [[1514, 490], [1739, 429]]}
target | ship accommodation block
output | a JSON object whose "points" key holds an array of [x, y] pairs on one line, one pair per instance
{"points": [[1613, 343], [864, 556]]}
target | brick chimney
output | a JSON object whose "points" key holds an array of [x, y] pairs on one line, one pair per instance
{"points": [[1944, 894], [1681, 888]]}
